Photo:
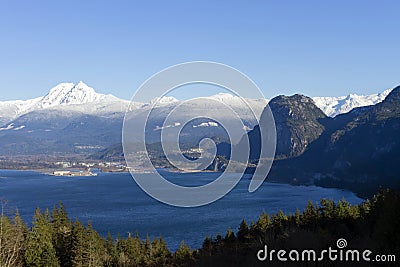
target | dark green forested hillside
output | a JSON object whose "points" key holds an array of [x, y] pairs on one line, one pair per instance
{"points": [[55, 240]]}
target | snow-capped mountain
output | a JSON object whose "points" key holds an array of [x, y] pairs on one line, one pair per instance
{"points": [[71, 94], [82, 98], [221, 106], [73, 118], [237, 102], [12, 109], [333, 106], [64, 96]]}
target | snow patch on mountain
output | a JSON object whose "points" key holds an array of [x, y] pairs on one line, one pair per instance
{"points": [[8, 127], [159, 128], [333, 106], [12, 126], [206, 124], [19, 128]]}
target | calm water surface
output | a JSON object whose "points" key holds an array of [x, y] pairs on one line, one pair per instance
{"points": [[114, 203]]}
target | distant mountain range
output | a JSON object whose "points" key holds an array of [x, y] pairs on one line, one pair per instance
{"points": [[333, 106], [74, 119], [82, 98], [348, 142], [358, 150]]}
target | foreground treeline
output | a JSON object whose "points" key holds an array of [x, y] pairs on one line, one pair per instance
{"points": [[55, 240], [373, 224]]}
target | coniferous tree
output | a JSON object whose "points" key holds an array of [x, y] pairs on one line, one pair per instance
{"points": [[110, 255], [327, 208], [88, 248], [183, 255], [12, 239], [39, 245], [19, 234], [230, 235], [62, 238], [310, 214], [243, 231], [345, 211], [279, 219], [297, 217], [264, 221], [207, 246], [253, 227], [159, 253], [94, 246], [122, 252], [78, 245]]}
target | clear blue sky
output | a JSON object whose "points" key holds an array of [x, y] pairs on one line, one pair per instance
{"points": [[312, 47]]}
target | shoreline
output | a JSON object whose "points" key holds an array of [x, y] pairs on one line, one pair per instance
{"points": [[271, 181]]}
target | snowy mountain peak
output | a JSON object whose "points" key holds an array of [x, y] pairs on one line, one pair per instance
{"points": [[333, 106], [161, 101], [237, 101], [82, 84], [60, 89], [223, 96], [350, 96], [66, 97], [226, 98], [68, 93]]}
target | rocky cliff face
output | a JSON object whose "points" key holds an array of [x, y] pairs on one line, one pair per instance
{"points": [[298, 123]]}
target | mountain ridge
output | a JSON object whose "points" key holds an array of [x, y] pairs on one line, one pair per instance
{"points": [[333, 106], [69, 94], [73, 116], [64, 96]]}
